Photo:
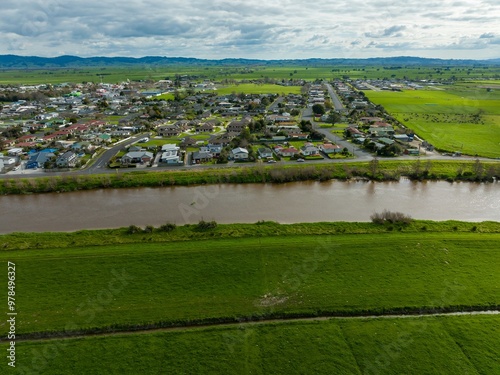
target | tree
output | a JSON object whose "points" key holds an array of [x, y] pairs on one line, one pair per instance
{"points": [[318, 109], [333, 118]]}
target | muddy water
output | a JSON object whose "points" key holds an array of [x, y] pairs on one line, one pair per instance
{"points": [[286, 203]]}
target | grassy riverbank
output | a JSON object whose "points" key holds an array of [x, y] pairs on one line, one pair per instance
{"points": [[379, 170], [114, 282], [104, 288]]}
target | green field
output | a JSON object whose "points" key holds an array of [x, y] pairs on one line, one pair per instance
{"points": [[461, 118], [235, 273], [266, 276], [310, 72], [251, 88], [443, 345]]}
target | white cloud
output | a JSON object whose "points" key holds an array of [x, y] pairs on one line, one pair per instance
{"points": [[237, 28]]}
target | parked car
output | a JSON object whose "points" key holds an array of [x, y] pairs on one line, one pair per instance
{"points": [[271, 161], [300, 160]]}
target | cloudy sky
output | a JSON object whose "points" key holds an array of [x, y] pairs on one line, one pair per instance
{"points": [[272, 29]]}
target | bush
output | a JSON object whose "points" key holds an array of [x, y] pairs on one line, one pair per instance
{"points": [[202, 225], [168, 227], [390, 217], [149, 229], [133, 229]]}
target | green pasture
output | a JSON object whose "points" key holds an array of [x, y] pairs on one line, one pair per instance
{"points": [[460, 118], [309, 72], [150, 282], [251, 88], [430, 345]]}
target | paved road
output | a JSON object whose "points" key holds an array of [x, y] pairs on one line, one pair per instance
{"points": [[337, 104], [359, 153], [102, 160]]}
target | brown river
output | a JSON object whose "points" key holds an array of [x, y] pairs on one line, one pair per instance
{"points": [[248, 203]]}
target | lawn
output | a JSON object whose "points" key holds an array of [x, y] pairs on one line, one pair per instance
{"points": [[443, 345], [459, 118], [129, 284]]}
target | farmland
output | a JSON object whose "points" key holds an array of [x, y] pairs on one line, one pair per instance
{"points": [[310, 72], [463, 118], [159, 280]]}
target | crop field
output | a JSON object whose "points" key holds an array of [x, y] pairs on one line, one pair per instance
{"points": [[461, 118], [225, 278]]}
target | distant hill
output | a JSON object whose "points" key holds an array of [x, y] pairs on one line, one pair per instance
{"points": [[36, 62]]}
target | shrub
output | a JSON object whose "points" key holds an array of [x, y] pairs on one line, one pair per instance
{"points": [[390, 217], [168, 227], [202, 225], [149, 229], [133, 229]]}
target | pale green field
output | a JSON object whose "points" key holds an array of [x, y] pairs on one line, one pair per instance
{"points": [[459, 118]]}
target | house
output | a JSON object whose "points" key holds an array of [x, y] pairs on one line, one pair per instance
{"points": [[309, 150], [353, 132], [236, 126], [67, 160], [15, 151], [328, 148], [169, 131], [215, 150], [239, 153], [381, 131], [170, 154], [137, 157], [201, 157], [386, 141], [135, 148], [8, 161], [288, 152], [265, 152], [403, 138], [38, 159], [206, 128]]}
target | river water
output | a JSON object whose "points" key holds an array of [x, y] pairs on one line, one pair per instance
{"points": [[248, 203]]}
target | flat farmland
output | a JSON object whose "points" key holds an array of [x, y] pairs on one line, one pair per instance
{"points": [[458, 118]]}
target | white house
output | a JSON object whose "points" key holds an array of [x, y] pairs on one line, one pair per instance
{"points": [[239, 153], [308, 149], [170, 154]]}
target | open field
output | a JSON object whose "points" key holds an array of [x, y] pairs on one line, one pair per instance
{"points": [[430, 345], [221, 279], [310, 73], [251, 88], [461, 118]]}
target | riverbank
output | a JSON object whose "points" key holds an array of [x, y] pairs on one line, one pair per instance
{"points": [[376, 170], [173, 233]]}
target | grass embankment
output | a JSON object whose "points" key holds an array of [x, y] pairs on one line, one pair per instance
{"points": [[382, 170], [160, 284], [442, 345]]}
